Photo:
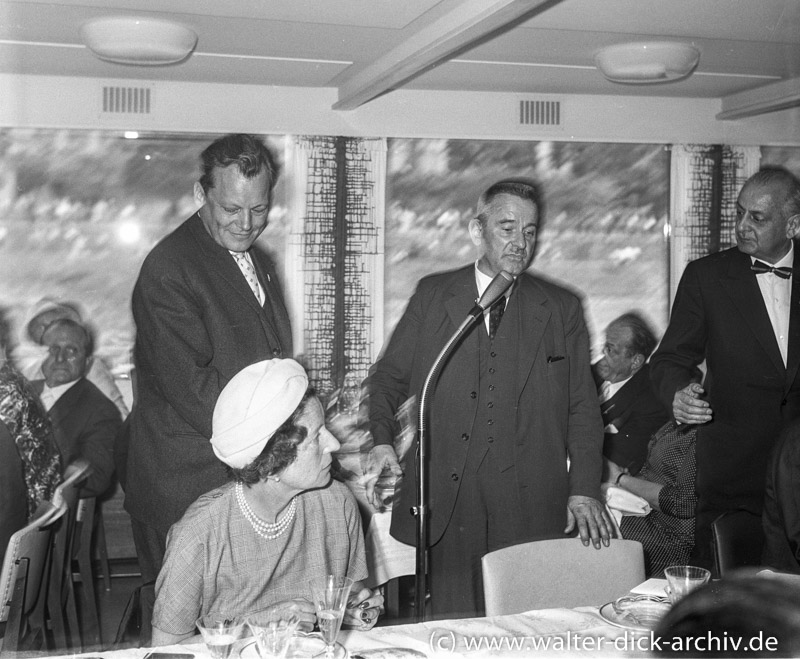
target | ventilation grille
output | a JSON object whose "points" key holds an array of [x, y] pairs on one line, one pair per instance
{"points": [[540, 113], [128, 100]]}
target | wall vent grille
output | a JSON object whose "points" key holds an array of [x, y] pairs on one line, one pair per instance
{"points": [[127, 100], [540, 113]]}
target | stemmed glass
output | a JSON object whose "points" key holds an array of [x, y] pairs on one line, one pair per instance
{"points": [[220, 633], [330, 598], [273, 632]]}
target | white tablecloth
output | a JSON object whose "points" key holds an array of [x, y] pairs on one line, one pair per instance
{"points": [[549, 632]]}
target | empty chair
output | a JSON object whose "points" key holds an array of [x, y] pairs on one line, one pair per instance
{"points": [[21, 580], [559, 573], [738, 539]]}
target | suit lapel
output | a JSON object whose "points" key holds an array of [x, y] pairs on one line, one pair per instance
{"points": [[66, 405], [528, 306], [459, 299], [740, 284], [224, 264]]}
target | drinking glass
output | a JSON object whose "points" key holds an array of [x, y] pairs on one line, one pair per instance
{"points": [[330, 598], [220, 633], [683, 579], [273, 631]]}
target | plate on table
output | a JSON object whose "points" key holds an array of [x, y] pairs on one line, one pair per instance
{"points": [[302, 645], [641, 612]]}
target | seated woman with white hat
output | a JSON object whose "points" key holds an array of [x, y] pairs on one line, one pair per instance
{"points": [[254, 544]]}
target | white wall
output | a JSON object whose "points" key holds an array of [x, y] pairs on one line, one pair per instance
{"points": [[49, 101]]}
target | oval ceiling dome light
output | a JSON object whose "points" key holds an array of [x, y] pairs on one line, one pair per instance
{"points": [[138, 40], [647, 61]]}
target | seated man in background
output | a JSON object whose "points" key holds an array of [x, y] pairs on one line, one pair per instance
{"points": [[666, 481], [781, 516], [252, 545], [28, 357], [85, 422], [631, 411]]}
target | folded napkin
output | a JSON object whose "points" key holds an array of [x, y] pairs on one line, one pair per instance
{"points": [[621, 502]]}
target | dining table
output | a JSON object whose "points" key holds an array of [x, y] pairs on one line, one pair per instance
{"points": [[582, 631]]}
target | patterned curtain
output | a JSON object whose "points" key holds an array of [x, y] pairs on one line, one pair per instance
{"points": [[705, 182], [335, 255]]}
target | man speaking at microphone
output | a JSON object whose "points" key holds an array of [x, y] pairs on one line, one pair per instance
{"points": [[514, 402]]}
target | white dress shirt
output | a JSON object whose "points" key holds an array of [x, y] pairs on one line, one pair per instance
{"points": [[483, 282], [777, 292], [49, 396]]}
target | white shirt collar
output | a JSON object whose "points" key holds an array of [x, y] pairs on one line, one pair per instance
{"points": [[786, 262], [59, 390], [482, 281]]}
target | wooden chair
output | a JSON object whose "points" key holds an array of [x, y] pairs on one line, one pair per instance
{"points": [[23, 581], [61, 604], [548, 574], [738, 539]]}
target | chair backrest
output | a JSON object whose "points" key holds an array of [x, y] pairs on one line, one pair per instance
{"points": [[560, 573], [27, 550], [738, 539], [74, 475]]}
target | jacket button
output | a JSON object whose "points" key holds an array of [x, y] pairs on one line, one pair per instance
{"points": [[490, 422], [473, 394], [491, 370], [493, 354], [490, 439], [276, 351], [491, 387], [465, 436], [783, 402], [490, 404], [454, 477]]}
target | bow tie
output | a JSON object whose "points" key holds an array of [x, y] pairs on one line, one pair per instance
{"points": [[760, 268]]}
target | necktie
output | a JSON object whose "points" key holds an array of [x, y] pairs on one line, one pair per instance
{"points": [[760, 268], [249, 273], [496, 315]]}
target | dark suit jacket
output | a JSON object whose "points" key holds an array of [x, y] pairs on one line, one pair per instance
{"points": [[85, 422], [781, 517], [197, 325], [554, 406], [636, 413], [719, 315]]}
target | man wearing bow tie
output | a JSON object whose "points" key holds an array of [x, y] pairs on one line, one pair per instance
{"points": [[739, 310]]}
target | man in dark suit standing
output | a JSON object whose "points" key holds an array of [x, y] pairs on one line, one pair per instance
{"points": [[739, 310], [85, 421], [631, 412], [514, 402], [206, 305]]}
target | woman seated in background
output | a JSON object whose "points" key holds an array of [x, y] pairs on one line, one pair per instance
{"points": [[254, 544], [30, 465], [666, 482]]}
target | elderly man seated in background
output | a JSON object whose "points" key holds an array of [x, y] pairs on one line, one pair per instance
{"points": [[631, 411], [28, 356], [85, 422], [253, 545]]}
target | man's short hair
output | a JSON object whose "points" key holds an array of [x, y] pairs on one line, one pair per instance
{"points": [[643, 339], [247, 152], [790, 205], [279, 452], [518, 187], [88, 339]]}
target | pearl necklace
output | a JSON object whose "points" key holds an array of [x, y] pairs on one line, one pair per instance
{"points": [[265, 529]]}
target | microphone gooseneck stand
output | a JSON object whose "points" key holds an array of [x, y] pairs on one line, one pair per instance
{"points": [[496, 288]]}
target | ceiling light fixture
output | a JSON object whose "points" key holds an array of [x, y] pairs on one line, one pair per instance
{"points": [[138, 40], [646, 62]]}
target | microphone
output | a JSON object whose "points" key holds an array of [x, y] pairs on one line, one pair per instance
{"points": [[494, 290]]}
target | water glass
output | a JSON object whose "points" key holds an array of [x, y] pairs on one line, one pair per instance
{"points": [[273, 632], [683, 579], [220, 633]]}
